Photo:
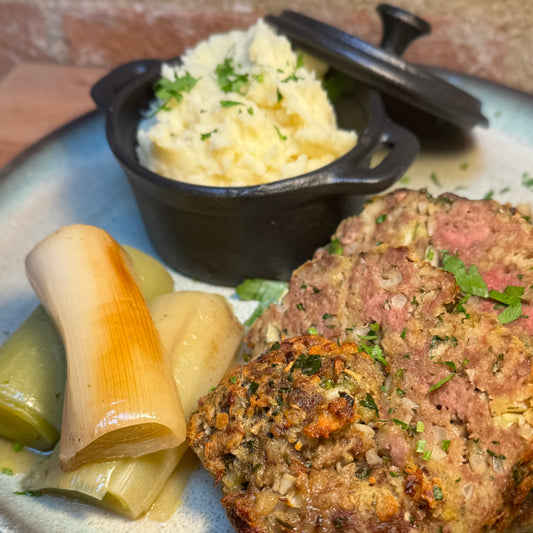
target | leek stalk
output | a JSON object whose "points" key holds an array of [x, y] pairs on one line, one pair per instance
{"points": [[120, 398], [202, 336], [33, 366]]}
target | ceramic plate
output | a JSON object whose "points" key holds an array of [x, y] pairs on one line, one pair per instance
{"points": [[71, 177]]}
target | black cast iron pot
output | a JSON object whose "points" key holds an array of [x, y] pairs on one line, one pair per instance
{"points": [[223, 235]]}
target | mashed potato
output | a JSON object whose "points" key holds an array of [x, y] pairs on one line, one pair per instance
{"points": [[250, 111]]}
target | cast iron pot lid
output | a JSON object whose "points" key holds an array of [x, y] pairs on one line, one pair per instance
{"points": [[383, 68]]}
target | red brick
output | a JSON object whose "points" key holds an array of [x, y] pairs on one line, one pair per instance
{"points": [[22, 34], [107, 37]]}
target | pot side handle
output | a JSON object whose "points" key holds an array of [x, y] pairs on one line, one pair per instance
{"points": [[403, 147], [104, 91]]}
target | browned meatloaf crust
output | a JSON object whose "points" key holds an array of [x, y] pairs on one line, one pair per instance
{"points": [[413, 417]]}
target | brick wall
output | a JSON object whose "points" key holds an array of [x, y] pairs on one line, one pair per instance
{"points": [[489, 38]]}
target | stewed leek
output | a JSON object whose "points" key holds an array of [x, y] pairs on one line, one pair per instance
{"points": [[201, 335], [33, 366], [120, 398]]}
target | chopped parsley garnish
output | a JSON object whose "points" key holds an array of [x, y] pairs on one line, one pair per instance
{"points": [[381, 218], [434, 179], [496, 456], [253, 388], [228, 80], [280, 135], [445, 445], [369, 402], [166, 89], [373, 351], [327, 384], [311, 330], [441, 383], [402, 334], [299, 65], [437, 493], [309, 365], [17, 447], [233, 379], [488, 195], [31, 493], [7, 471], [263, 290], [511, 298], [335, 247], [470, 281], [205, 136], [229, 103]]}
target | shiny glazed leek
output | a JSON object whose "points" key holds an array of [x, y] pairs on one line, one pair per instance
{"points": [[33, 366], [120, 398], [202, 336]]}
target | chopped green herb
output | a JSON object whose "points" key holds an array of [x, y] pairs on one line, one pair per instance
{"points": [[488, 195], [441, 383], [463, 166], [250, 110], [299, 65], [400, 392], [229, 103], [300, 306], [445, 445], [394, 474], [363, 473], [437, 493], [369, 402], [309, 365], [470, 281], [166, 89], [373, 351], [434, 179], [430, 255], [402, 334], [335, 247], [31, 493], [253, 388], [280, 135], [279, 96], [504, 190], [327, 316], [312, 330], [205, 136], [493, 454], [450, 364], [260, 78], [420, 446], [7, 471], [327, 384], [262, 290], [511, 298], [228, 80], [233, 379], [419, 427], [381, 218], [17, 447], [427, 455], [404, 180], [256, 467]]}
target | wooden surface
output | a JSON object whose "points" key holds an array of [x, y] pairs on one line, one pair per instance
{"points": [[35, 99]]}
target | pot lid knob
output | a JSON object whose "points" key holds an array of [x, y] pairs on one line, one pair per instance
{"points": [[400, 28]]}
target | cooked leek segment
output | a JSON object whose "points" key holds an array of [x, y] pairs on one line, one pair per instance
{"points": [[202, 335], [151, 276], [120, 397], [33, 366], [32, 383], [127, 486]]}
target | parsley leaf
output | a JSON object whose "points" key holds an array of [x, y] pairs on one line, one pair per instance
{"points": [[228, 80], [369, 402], [166, 89], [263, 290], [511, 298], [441, 383], [470, 281]]}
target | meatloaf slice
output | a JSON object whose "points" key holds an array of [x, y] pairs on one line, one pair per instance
{"points": [[340, 296], [323, 436], [493, 237]]}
